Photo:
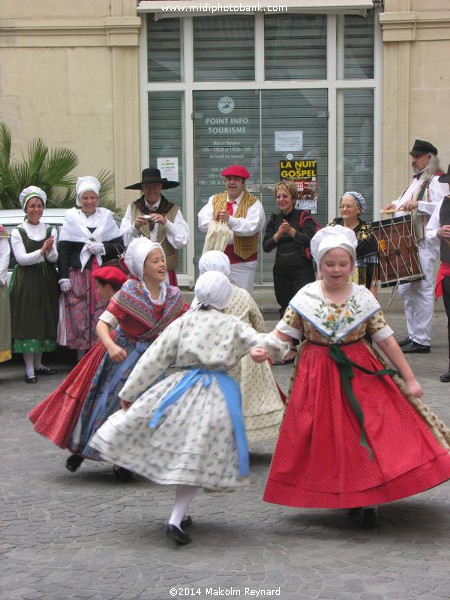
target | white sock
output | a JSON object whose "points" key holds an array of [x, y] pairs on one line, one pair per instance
{"points": [[28, 358], [183, 497]]}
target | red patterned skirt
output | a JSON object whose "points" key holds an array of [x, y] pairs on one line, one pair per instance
{"points": [[56, 416], [319, 460], [81, 309]]}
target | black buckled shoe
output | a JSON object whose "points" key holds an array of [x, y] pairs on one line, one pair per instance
{"points": [[45, 371], [178, 536], [415, 348], [30, 379], [73, 462], [404, 342], [445, 378], [369, 518]]}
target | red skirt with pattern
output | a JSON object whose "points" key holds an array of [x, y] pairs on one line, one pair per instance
{"points": [[56, 416], [319, 461]]}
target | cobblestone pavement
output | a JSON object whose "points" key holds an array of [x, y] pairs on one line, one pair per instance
{"points": [[86, 535]]}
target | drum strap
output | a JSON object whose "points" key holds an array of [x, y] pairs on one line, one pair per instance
{"points": [[426, 184], [420, 221]]}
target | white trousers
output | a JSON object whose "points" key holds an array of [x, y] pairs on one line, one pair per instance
{"points": [[243, 274], [418, 296]]}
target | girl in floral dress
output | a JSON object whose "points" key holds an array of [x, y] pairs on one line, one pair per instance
{"points": [[140, 310], [352, 436], [188, 430], [262, 399]]}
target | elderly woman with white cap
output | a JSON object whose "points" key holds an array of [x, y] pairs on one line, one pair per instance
{"points": [[187, 430], [262, 400], [34, 285], [351, 206], [352, 436], [140, 311], [89, 238]]}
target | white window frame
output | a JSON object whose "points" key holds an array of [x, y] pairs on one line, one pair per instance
{"points": [[188, 86]]}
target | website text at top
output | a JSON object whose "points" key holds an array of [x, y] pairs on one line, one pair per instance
{"points": [[209, 7]]}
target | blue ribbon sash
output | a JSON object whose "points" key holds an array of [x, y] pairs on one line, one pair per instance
{"points": [[232, 394]]}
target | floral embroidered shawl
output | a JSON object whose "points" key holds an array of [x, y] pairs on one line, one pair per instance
{"points": [[334, 321]]}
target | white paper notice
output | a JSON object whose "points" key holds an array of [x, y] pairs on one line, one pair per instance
{"points": [[288, 141], [168, 167]]}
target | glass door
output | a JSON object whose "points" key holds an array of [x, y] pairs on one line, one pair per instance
{"points": [[260, 129]]}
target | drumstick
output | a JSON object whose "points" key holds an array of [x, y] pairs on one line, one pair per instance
{"points": [[388, 212]]}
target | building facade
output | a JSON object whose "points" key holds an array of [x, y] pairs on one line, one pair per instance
{"points": [[329, 92]]}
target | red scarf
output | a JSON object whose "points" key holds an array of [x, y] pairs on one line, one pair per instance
{"points": [[444, 271]]}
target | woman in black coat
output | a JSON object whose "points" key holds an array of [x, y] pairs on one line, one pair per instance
{"points": [[290, 232]]}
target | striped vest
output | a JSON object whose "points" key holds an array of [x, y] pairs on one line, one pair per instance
{"points": [[244, 246], [169, 250]]}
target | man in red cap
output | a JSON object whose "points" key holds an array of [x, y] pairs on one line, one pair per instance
{"points": [[245, 218], [419, 199]]}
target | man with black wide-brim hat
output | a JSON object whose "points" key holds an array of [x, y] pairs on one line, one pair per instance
{"points": [[419, 200], [438, 233], [154, 217]]}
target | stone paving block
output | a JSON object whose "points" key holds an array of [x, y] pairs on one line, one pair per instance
{"points": [[64, 534]]}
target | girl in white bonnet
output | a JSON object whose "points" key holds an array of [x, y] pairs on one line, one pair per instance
{"points": [[188, 429], [353, 436]]}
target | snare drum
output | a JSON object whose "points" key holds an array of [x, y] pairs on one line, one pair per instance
{"points": [[397, 250]]}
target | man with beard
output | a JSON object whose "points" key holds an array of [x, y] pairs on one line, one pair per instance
{"points": [[419, 199]]}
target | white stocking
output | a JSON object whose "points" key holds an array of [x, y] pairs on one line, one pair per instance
{"points": [[183, 497], [28, 358]]}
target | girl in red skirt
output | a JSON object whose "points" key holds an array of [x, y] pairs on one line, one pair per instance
{"points": [[56, 416], [354, 434]]}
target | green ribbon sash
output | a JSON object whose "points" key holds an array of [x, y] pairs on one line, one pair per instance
{"points": [[346, 373]]}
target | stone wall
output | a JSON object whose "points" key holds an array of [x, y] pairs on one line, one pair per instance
{"points": [[416, 86], [69, 73]]}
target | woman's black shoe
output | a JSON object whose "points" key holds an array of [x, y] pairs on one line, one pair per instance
{"points": [[123, 474], [445, 378], [45, 371], [73, 462], [178, 536], [30, 379], [369, 518]]}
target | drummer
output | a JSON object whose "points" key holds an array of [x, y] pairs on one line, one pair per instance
{"points": [[419, 199]]}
